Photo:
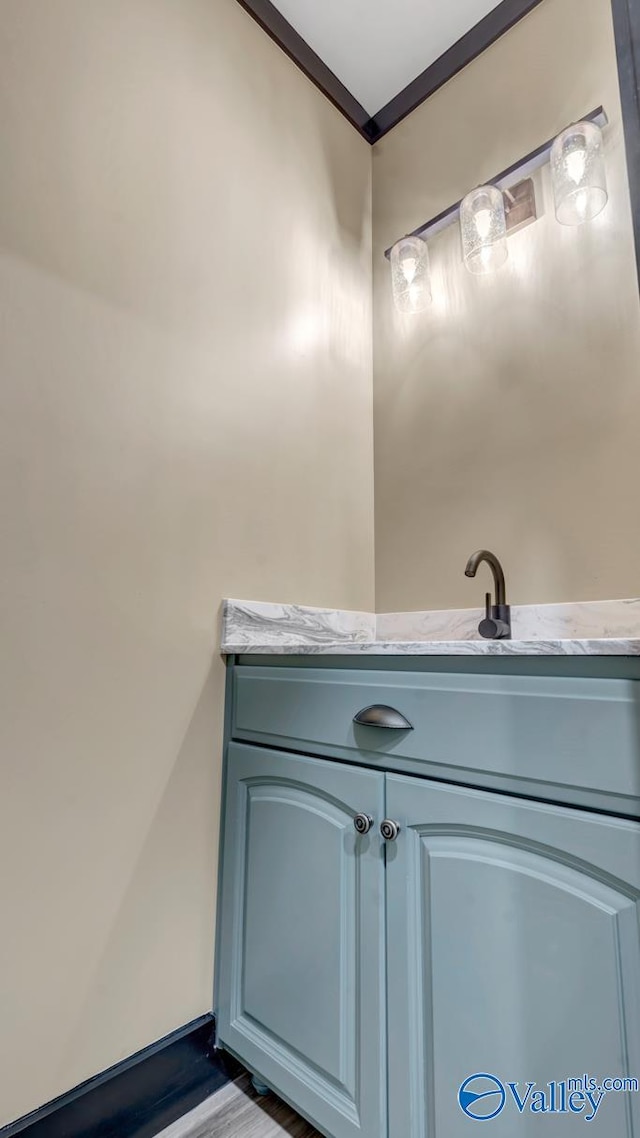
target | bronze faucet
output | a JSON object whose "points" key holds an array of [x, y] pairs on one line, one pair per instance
{"points": [[496, 624]]}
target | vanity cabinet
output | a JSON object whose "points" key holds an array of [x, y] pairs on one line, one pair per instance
{"points": [[365, 980]]}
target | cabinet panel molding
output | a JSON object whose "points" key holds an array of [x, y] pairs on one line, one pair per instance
{"points": [[520, 958], [302, 968]]}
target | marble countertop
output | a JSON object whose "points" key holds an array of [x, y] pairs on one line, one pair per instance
{"points": [[590, 628]]}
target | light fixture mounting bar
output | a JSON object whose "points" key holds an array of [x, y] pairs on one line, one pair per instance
{"points": [[521, 169]]}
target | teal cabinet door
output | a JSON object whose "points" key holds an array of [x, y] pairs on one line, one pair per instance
{"points": [[301, 974], [513, 955]]}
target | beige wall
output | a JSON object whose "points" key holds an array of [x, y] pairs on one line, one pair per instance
{"points": [[185, 412], [508, 414]]}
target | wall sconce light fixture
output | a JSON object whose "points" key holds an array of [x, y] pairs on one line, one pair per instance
{"points": [[490, 213], [578, 174], [483, 224], [410, 278]]}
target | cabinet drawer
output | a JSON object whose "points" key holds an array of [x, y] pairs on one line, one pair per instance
{"points": [[567, 740]]}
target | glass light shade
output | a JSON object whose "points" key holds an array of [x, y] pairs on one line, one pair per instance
{"points": [[410, 274], [483, 225], [578, 174]]}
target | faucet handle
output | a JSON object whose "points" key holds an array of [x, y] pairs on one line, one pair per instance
{"points": [[492, 628], [487, 627]]}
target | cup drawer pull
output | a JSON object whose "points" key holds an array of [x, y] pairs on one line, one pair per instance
{"points": [[379, 715]]}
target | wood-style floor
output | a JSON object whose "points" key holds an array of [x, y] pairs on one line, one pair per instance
{"points": [[237, 1111]]}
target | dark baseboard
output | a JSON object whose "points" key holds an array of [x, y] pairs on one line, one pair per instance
{"points": [[141, 1095]]}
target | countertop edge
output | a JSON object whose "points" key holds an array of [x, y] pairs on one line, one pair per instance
{"points": [[593, 647]]}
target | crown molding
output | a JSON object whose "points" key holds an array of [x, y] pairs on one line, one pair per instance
{"points": [[374, 127], [285, 35]]}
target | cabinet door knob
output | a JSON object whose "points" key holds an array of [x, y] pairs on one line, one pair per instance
{"points": [[389, 830], [363, 823], [380, 715]]}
